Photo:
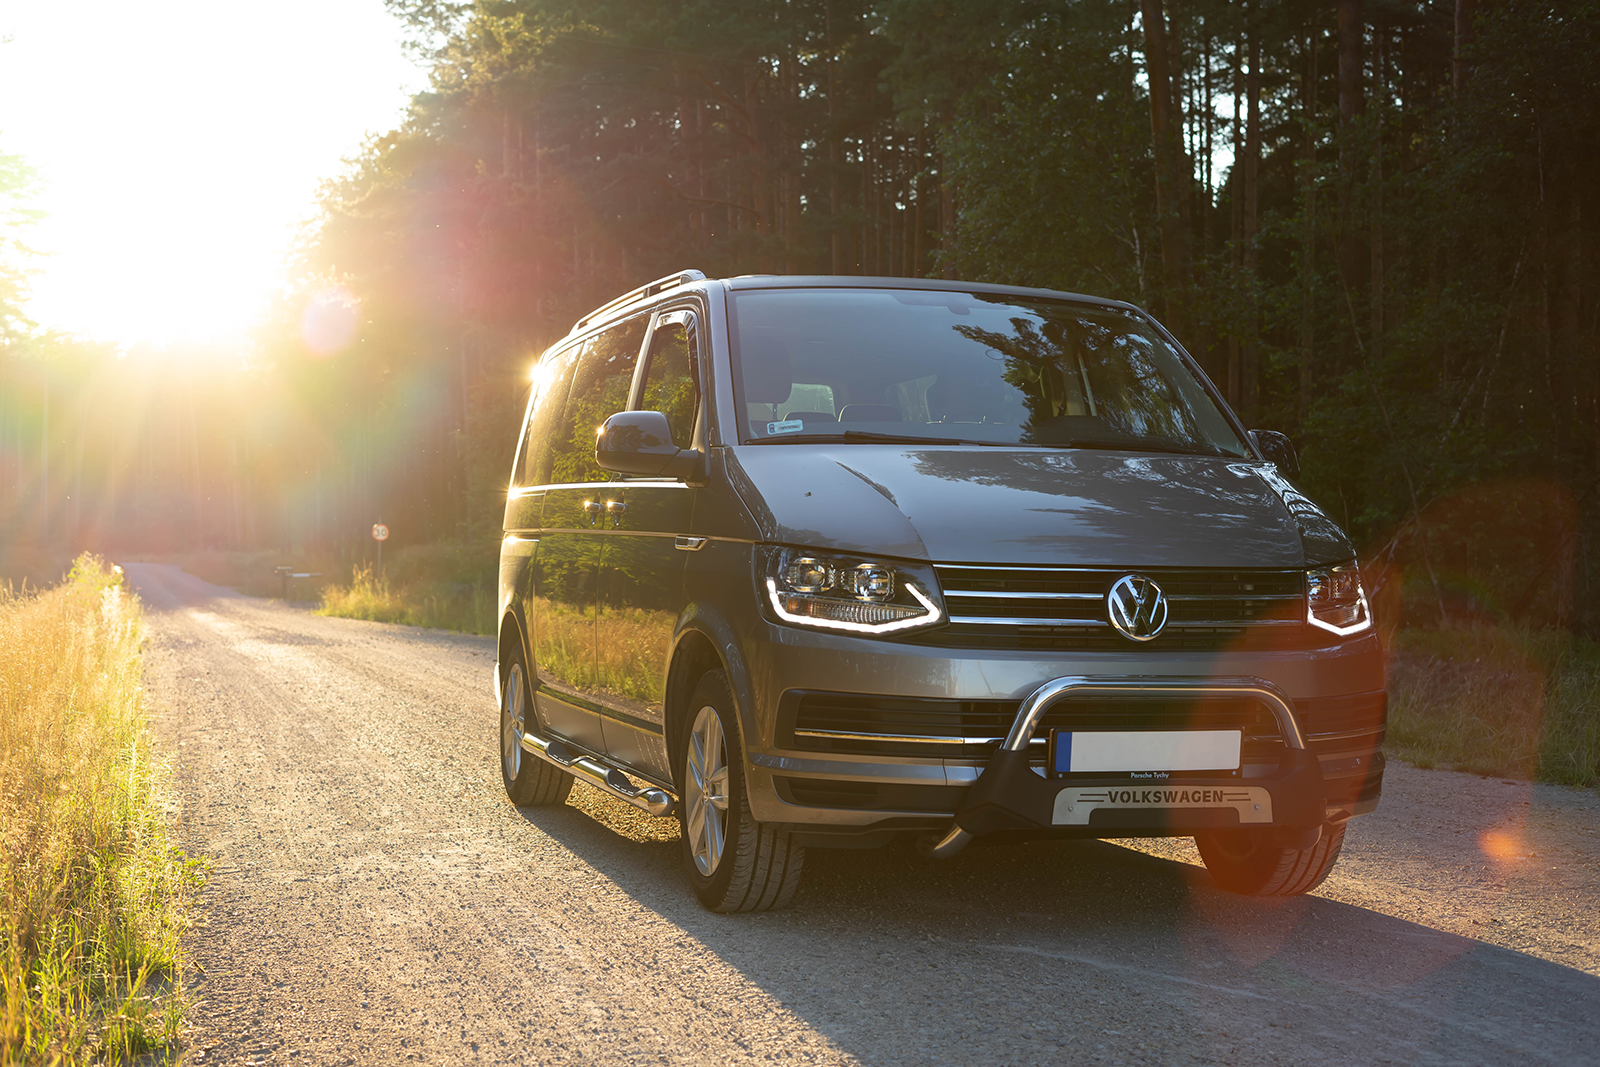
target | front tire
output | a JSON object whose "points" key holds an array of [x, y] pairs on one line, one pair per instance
{"points": [[1246, 861], [734, 862], [529, 781]]}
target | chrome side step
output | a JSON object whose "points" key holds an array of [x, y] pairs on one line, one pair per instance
{"points": [[606, 779]]}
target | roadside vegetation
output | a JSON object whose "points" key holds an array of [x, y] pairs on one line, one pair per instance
{"points": [[447, 587], [1497, 700], [94, 896]]}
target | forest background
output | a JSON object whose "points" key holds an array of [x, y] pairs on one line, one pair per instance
{"points": [[1372, 221]]}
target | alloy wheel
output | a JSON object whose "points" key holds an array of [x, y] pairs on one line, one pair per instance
{"points": [[706, 791], [512, 717]]}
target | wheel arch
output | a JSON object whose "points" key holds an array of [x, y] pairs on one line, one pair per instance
{"points": [[513, 637], [697, 651]]}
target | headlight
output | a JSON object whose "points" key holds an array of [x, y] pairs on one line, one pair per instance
{"points": [[825, 591], [1335, 600]]}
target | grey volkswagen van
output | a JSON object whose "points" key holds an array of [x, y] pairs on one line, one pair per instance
{"points": [[815, 562]]}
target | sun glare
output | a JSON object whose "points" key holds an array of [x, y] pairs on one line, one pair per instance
{"points": [[331, 320], [180, 144]]}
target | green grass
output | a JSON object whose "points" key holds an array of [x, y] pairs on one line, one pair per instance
{"points": [[1497, 700], [94, 897]]}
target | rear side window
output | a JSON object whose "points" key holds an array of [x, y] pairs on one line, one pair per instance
{"points": [[600, 387], [670, 384]]}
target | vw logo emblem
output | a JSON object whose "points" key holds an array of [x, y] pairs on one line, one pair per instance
{"points": [[1137, 607]]}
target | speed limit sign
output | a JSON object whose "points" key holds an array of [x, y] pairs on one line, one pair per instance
{"points": [[380, 532]]}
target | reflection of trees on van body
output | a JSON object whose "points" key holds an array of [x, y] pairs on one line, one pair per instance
{"points": [[633, 640], [1083, 368], [675, 398], [633, 569], [599, 390], [1167, 496], [574, 448], [631, 651], [564, 647], [568, 573]]}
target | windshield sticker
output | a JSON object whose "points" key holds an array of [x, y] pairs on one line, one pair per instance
{"points": [[786, 426]]}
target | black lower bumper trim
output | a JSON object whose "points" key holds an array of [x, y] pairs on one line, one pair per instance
{"points": [[1008, 795]]}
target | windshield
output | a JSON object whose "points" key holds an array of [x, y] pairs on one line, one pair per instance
{"points": [[949, 367]]}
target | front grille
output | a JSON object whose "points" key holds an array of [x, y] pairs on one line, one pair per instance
{"points": [[1065, 608], [973, 729]]}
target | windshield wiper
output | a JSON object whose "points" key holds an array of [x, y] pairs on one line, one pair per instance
{"points": [[868, 435], [1171, 447]]}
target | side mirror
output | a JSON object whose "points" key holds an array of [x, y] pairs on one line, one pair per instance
{"points": [[1277, 448], [640, 442]]}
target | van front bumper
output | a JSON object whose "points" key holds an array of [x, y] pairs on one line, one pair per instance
{"points": [[1010, 795], [1311, 780]]}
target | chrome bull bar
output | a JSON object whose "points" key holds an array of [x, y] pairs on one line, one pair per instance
{"points": [[1056, 690]]}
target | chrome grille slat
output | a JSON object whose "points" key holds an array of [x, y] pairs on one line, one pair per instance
{"points": [[1225, 598], [984, 620], [1020, 595], [996, 606]]}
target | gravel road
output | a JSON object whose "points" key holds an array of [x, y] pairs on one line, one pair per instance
{"points": [[375, 899]]}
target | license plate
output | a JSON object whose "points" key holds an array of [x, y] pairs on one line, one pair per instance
{"points": [[1073, 805], [1112, 751]]}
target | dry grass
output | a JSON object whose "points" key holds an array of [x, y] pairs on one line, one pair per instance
{"points": [[93, 895], [1497, 700], [467, 607]]}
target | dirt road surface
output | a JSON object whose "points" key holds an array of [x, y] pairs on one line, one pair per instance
{"points": [[375, 899]]}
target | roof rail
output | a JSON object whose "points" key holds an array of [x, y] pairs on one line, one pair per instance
{"points": [[660, 285]]}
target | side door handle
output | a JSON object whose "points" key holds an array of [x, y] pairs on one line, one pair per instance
{"points": [[686, 543], [592, 508], [615, 509]]}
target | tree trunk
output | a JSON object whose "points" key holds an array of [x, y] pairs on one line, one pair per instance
{"points": [[1351, 105], [835, 238], [1167, 148], [1236, 220], [1308, 239], [1465, 9], [1208, 222], [1250, 378], [1375, 292]]}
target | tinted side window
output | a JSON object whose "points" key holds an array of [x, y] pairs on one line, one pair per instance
{"points": [[551, 382], [670, 384], [599, 389]]}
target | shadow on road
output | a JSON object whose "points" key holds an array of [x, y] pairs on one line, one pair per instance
{"points": [[1012, 948]]}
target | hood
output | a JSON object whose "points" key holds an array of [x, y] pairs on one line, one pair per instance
{"points": [[1021, 506]]}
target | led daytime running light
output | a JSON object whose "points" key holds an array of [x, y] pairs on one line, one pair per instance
{"points": [[1363, 622], [932, 614]]}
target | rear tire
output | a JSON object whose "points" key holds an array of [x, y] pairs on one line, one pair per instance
{"points": [[1246, 861], [529, 781], [734, 862]]}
